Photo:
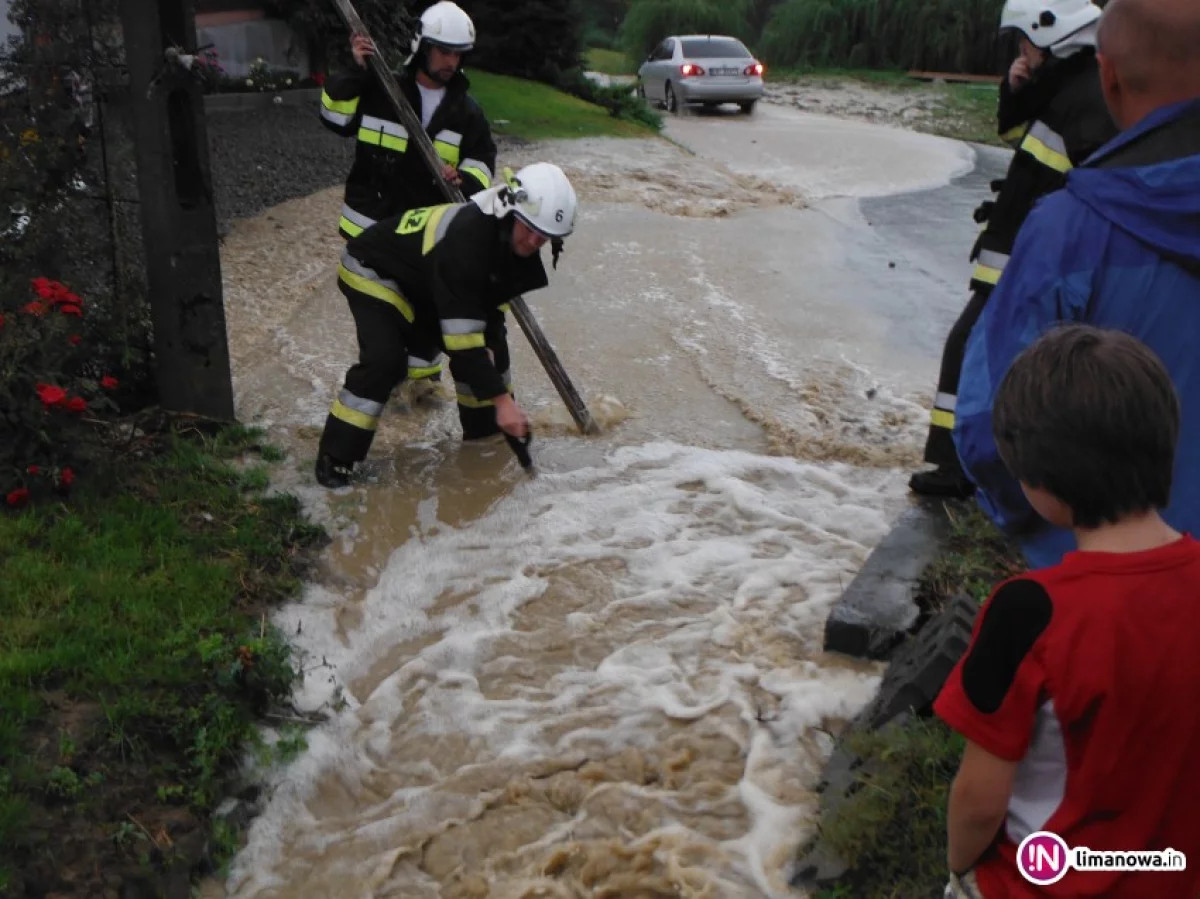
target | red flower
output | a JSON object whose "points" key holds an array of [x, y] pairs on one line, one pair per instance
{"points": [[108, 382], [67, 478], [41, 284], [18, 497], [76, 404], [34, 308], [50, 395], [74, 340], [33, 469], [71, 310]]}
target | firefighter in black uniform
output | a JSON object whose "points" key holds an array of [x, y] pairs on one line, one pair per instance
{"points": [[1053, 113], [386, 179], [443, 275]]}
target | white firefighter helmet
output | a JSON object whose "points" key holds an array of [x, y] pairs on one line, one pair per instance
{"points": [[445, 25], [543, 198], [1048, 22]]}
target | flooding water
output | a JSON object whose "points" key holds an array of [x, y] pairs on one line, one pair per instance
{"points": [[605, 681]]}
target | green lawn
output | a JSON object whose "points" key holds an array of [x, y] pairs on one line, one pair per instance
{"points": [[610, 62], [135, 659], [533, 111]]}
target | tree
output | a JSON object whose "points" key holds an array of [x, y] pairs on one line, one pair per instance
{"points": [[538, 39]]}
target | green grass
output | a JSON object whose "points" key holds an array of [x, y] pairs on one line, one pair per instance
{"points": [[609, 62], [532, 111], [893, 829], [134, 643]]}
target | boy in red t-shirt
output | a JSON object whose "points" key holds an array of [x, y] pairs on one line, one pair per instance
{"points": [[1078, 693]]}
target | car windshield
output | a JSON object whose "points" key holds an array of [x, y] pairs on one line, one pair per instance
{"points": [[714, 48]]}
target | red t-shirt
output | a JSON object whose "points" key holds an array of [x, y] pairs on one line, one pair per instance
{"points": [[1088, 674]]}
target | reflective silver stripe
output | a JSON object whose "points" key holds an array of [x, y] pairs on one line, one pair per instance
{"points": [[1051, 138], [338, 118], [992, 259], [358, 404], [946, 401], [353, 265], [463, 326], [476, 164], [453, 138], [444, 224], [371, 123], [356, 218], [418, 362]]}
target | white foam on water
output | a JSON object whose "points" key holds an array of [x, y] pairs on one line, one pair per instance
{"points": [[670, 591]]}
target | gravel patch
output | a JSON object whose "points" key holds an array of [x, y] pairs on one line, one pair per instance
{"points": [[263, 157]]}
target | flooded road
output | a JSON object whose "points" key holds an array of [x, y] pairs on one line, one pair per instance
{"points": [[607, 681]]}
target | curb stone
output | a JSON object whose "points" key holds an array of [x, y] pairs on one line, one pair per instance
{"points": [[910, 685], [878, 610]]}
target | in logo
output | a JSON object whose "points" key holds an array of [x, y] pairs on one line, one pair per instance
{"points": [[1043, 858]]}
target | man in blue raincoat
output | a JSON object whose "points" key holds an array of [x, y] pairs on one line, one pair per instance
{"points": [[1118, 247]]}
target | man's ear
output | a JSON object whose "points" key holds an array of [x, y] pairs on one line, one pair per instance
{"points": [[1110, 85]]}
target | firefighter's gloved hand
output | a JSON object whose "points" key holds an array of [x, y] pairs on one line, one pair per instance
{"points": [[510, 417]]}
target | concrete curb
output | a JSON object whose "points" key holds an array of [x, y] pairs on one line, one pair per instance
{"points": [[252, 100], [878, 610], [909, 687]]}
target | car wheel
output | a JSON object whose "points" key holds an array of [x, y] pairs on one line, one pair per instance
{"points": [[672, 102], [748, 106]]}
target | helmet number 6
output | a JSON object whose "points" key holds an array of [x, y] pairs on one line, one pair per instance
{"points": [[558, 216]]}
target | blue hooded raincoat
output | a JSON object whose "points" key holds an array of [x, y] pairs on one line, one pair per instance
{"points": [[1118, 247]]}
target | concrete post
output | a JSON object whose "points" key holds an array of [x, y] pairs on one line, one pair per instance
{"points": [[179, 222]]}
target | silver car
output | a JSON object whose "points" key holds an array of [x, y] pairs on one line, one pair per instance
{"points": [[701, 68]]}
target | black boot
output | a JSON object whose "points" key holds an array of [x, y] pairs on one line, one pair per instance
{"points": [[945, 480], [333, 474]]}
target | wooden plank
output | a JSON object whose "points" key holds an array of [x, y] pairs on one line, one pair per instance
{"points": [[416, 131]]}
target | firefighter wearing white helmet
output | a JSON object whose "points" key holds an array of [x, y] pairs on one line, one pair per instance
{"points": [[389, 176], [1052, 111], [444, 274]]}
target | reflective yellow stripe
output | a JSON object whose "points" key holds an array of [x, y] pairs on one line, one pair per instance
{"points": [[504, 307], [986, 274], [379, 139], [942, 419], [478, 173], [349, 227], [418, 373], [378, 291], [431, 229], [448, 152], [1013, 136], [1046, 156], [345, 107], [473, 402], [353, 417], [463, 341]]}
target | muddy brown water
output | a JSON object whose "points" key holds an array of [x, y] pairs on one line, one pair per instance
{"points": [[605, 681]]}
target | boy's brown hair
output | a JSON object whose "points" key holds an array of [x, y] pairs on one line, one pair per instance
{"points": [[1091, 416]]}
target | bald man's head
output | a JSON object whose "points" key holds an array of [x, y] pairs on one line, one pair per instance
{"points": [[1150, 55]]}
